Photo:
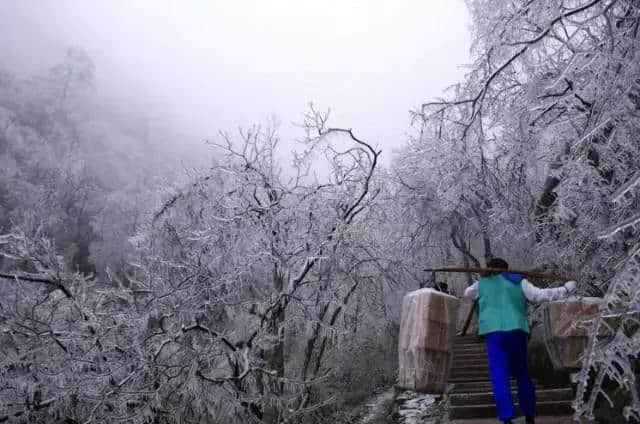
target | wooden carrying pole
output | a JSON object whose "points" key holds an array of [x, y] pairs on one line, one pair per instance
{"points": [[534, 275]]}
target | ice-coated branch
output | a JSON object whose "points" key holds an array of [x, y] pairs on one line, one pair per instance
{"points": [[477, 100], [56, 284], [629, 222], [626, 187], [200, 327], [373, 155]]}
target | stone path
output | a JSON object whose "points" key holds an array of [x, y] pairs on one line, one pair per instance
{"points": [[418, 408], [378, 407], [471, 400]]}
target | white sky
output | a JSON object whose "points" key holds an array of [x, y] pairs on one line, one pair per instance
{"points": [[219, 64]]}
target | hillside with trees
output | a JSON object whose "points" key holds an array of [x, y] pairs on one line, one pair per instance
{"points": [[135, 290]]}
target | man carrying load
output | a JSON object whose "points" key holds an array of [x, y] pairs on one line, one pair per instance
{"points": [[503, 320]]}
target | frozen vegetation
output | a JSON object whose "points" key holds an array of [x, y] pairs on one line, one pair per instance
{"points": [[135, 289]]}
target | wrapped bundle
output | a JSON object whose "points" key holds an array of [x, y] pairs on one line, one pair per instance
{"points": [[566, 324], [427, 329]]}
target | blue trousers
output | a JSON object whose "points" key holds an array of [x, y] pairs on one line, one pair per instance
{"points": [[507, 352]]}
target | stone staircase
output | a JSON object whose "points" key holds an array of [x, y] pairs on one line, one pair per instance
{"points": [[471, 399]]}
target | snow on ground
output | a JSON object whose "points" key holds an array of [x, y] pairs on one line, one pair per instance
{"points": [[414, 408], [378, 408]]}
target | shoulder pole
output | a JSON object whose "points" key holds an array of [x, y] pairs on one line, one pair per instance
{"points": [[534, 275]]}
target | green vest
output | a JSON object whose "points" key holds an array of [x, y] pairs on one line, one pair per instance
{"points": [[501, 305]]}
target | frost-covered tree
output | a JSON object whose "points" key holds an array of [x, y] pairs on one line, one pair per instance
{"points": [[270, 263], [68, 342], [244, 290], [542, 138], [42, 168], [82, 166]]}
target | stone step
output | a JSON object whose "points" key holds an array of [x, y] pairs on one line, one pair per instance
{"points": [[468, 345], [483, 386], [469, 365], [467, 339], [470, 351], [473, 362], [489, 410], [459, 359], [480, 398], [463, 356], [469, 369], [469, 377], [469, 357], [459, 377], [458, 346], [469, 362]]}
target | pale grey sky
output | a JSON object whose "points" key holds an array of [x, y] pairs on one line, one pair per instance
{"points": [[217, 64]]}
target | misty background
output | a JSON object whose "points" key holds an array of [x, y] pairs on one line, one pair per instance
{"points": [[108, 183], [160, 265], [205, 66]]}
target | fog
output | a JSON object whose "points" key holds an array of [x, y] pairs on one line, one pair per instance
{"points": [[158, 266], [212, 65]]}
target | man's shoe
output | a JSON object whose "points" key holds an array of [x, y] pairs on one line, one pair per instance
{"points": [[530, 420]]}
